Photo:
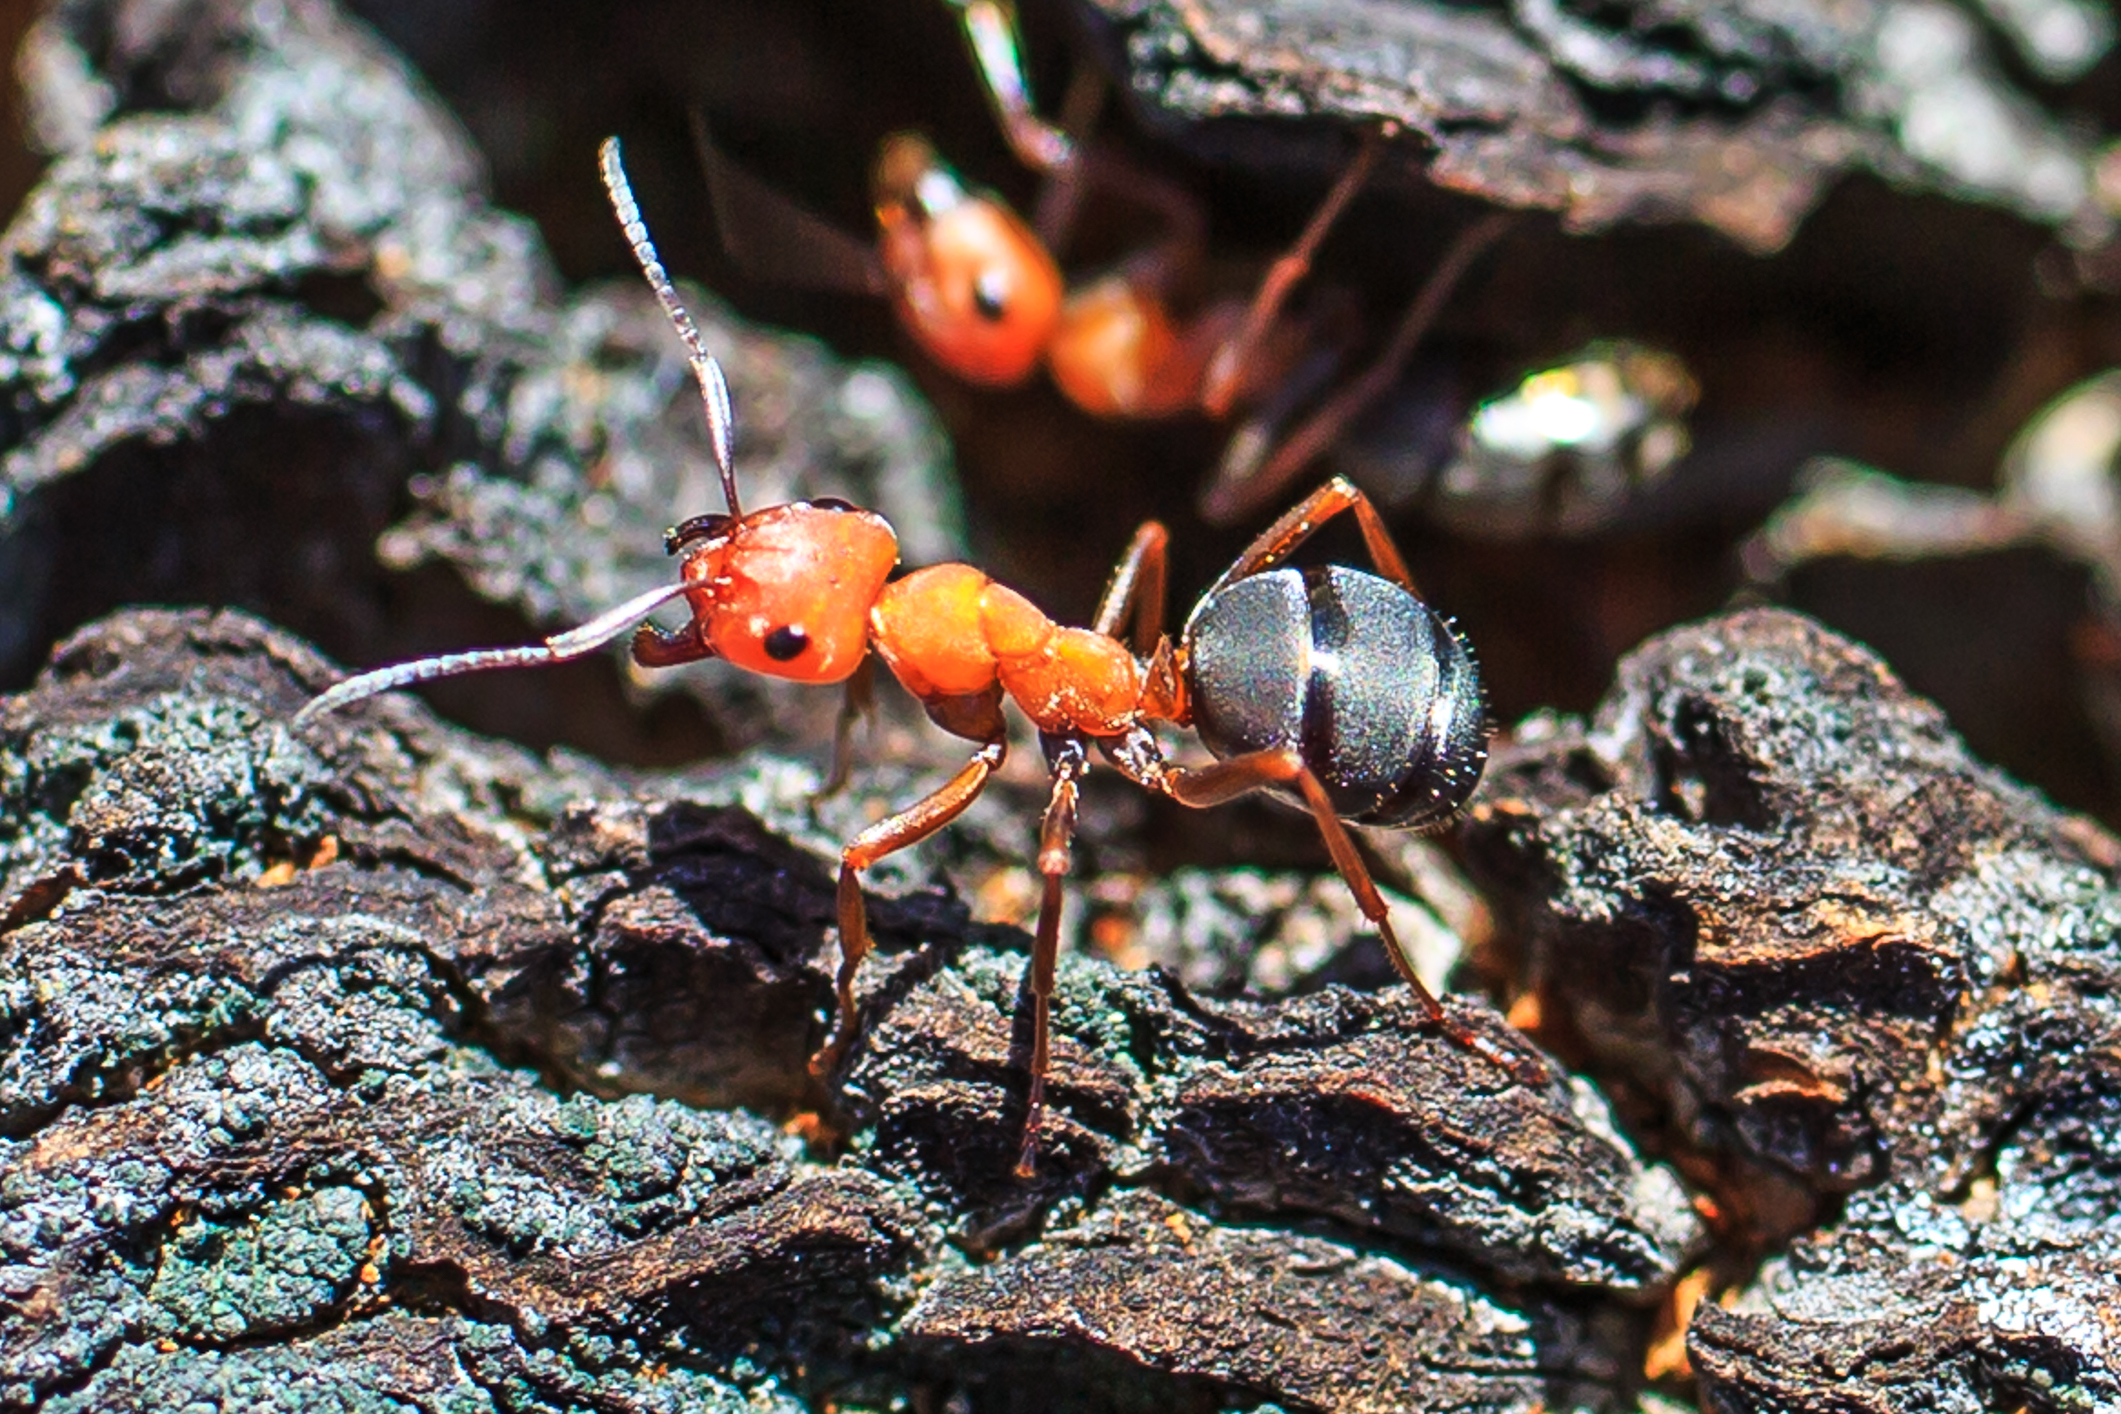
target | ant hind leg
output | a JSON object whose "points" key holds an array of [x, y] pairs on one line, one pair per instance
{"points": [[1303, 520], [1203, 786]]}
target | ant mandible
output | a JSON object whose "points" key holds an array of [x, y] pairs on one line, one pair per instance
{"points": [[1337, 689], [978, 288]]}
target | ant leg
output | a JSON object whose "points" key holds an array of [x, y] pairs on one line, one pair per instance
{"points": [[1242, 484], [1176, 254], [887, 837], [1225, 373], [998, 54], [1060, 198], [1302, 520], [1066, 756], [1202, 786], [1136, 590], [859, 702]]}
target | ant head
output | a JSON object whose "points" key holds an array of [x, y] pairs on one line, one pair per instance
{"points": [[786, 591], [972, 283], [783, 591]]}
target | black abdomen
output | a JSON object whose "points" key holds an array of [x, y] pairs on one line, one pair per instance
{"points": [[1370, 685]]}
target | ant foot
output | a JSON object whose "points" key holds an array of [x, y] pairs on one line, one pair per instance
{"points": [[1531, 1071], [828, 1057], [1034, 1125], [1527, 1070]]}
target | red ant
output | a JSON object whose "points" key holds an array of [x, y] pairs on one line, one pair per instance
{"points": [[980, 292], [1336, 689]]}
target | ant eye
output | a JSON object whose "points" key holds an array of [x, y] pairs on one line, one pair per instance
{"points": [[786, 643], [834, 503], [990, 295]]}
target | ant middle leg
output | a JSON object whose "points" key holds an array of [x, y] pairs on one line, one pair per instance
{"points": [[1203, 786], [887, 837], [1068, 760], [1136, 590]]}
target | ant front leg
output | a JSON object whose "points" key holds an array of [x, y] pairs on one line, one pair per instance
{"points": [[887, 837], [1203, 786], [1066, 757], [859, 702]]}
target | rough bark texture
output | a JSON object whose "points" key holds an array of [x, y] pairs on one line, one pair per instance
{"points": [[260, 308], [323, 1071], [1735, 115], [1861, 985], [387, 1067]]}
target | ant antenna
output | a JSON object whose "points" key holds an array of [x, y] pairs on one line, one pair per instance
{"points": [[990, 30], [714, 389], [587, 638], [557, 649]]}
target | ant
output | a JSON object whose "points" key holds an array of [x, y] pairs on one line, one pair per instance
{"points": [[977, 288], [1337, 689]]}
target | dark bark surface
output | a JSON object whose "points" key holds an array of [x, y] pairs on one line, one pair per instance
{"points": [[1860, 984], [324, 1058], [260, 309], [1734, 115]]}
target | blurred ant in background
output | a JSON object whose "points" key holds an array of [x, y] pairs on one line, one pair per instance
{"points": [[979, 290], [1336, 689]]}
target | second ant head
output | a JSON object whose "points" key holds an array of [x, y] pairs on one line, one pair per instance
{"points": [[972, 282]]}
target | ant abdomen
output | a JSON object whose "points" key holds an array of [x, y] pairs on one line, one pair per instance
{"points": [[1372, 688]]}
